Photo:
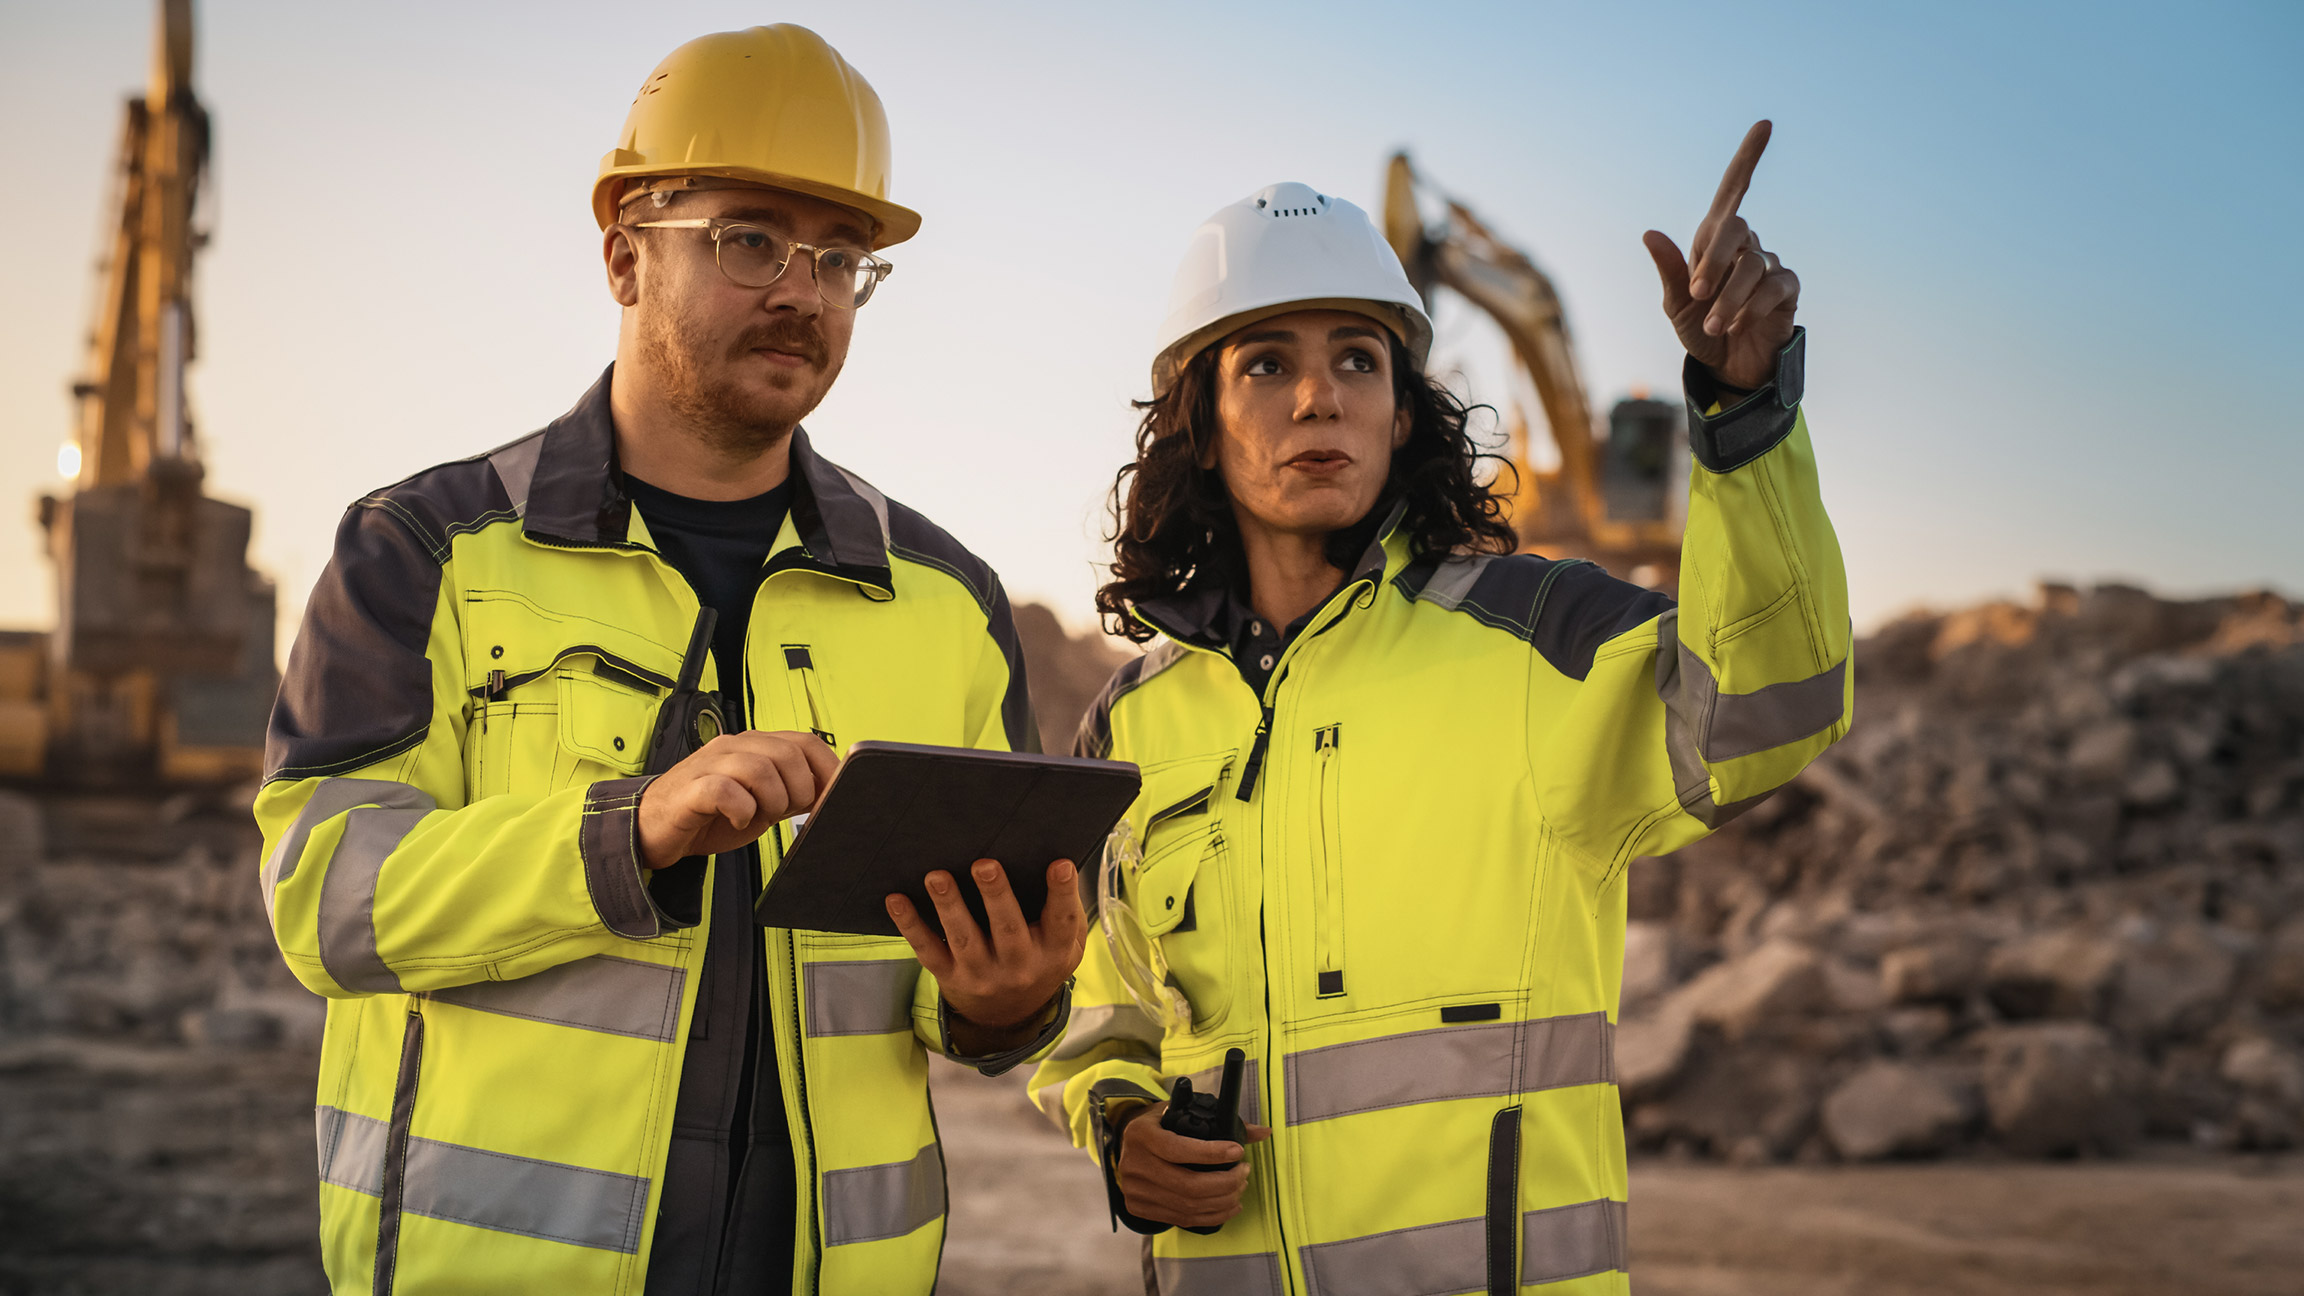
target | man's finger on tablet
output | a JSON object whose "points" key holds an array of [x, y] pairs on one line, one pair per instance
{"points": [[960, 930], [822, 760], [933, 954], [1011, 936]]}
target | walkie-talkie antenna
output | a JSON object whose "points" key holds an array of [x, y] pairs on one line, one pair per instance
{"points": [[1228, 1096], [699, 646]]}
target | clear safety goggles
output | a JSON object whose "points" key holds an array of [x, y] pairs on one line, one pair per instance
{"points": [[1135, 951]]}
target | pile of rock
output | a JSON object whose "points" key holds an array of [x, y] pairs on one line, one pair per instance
{"points": [[2047, 897]]}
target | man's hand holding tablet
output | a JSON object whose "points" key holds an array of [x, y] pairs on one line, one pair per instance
{"points": [[997, 983]]}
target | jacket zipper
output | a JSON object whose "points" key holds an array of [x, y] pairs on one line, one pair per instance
{"points": [[393, 1191], [1328, 915], [808, 692]]}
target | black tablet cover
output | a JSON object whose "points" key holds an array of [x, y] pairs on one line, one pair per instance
{"points": [[897, 811]]}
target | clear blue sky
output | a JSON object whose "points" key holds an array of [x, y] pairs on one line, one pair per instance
{"points": [[2052, 255]]}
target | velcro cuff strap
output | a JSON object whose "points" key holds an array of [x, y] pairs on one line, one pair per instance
{"points": [[1755, 422]]}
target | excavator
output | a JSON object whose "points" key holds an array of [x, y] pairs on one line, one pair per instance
{"points": [[161, 662], [1613, 499]]}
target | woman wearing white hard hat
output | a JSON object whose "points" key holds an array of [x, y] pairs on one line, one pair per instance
{"points": [[1394, 774]]}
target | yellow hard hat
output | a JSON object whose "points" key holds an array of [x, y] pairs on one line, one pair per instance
{"points": [[771, 105]]}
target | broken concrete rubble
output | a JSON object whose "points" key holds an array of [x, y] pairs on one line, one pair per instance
{"points": [[2065, 846]]}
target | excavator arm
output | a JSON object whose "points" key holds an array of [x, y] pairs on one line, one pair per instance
{"points": [[1605, 499]]}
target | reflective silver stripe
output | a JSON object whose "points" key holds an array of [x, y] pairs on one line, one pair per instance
{"points": [[351, 1150], [348, 897], [1251, 1092], [1101, 1023], [515, 466], [331, 798], [868, 997], [1233, 1275], [867, 1203], [1572, 1241], [1454, 579], [1431, 1258], [1450, 1062], [1701, 723], [619, 996], [489, 1190]]}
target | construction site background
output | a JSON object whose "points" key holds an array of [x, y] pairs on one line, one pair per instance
{"points": [[2005, 994]]}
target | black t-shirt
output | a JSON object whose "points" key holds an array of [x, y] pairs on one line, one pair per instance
{"points": [[725, 1223]]}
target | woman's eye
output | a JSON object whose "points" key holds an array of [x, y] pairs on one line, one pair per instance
{"points": [[1359, 362], [1262, 367]]}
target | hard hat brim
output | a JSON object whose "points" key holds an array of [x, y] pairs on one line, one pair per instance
{"points": [[891, 224], [1409, 325]]}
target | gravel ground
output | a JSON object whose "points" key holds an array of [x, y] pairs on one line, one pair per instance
{"points": [[132, 1168]]}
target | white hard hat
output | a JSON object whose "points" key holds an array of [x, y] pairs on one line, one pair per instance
{"points": [[1285, 247]]}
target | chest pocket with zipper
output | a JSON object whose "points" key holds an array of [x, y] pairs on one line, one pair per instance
{"points": [[585, 716], [810, 707], [1328, 861], [1185, 896]]}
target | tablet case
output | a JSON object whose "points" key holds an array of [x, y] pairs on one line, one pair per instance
{"points": [[897, 811]]}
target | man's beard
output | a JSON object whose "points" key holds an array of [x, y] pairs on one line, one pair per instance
{"points": [[733, 418]]}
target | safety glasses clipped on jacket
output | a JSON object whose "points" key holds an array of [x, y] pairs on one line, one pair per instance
{"points": [[1135, 951]]}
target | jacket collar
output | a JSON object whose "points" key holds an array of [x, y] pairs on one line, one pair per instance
{"points": [[575, 494], [1195, 615]]}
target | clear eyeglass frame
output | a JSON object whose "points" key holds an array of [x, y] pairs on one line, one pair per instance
{"points": [[869, 269], [1136, 952]]}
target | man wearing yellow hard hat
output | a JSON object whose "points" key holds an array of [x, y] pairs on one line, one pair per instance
{"points": [[547, 710]]}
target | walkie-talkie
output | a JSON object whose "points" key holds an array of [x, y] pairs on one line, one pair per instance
{"points": [[691, 717], [1209, 1117]]}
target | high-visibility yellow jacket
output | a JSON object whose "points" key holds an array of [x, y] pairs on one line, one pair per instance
{"points": [[451, 858], [1396, 878]]}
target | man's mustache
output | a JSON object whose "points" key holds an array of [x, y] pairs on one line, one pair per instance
{"points": [[792, 336]]}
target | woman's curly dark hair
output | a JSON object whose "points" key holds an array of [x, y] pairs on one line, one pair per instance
{"points": [[1172, 523]]}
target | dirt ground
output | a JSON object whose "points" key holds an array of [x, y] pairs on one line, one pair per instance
{"points": [[155, 1168]]}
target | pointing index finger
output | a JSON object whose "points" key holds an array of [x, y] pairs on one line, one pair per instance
{"points": [[1738, 177]]}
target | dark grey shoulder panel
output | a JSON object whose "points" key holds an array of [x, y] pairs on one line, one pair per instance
{"points": [[913, 536], [452, 499], [1564, 608], [1095, 736], [919, 540], [358, 687]]}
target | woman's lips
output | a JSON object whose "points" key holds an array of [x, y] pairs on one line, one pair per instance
{"points": [[1320, 463]]}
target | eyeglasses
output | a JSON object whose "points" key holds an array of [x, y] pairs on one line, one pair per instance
{"points": [[754, 256]]}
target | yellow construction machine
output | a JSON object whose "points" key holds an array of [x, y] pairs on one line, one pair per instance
{"points": [[160, 665], [1613, 499]]}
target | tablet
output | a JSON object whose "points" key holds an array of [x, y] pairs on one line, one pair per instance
{"points": [[898, 811]]}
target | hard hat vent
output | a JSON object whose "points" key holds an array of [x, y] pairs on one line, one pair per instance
{"points": [[1285, 200]]}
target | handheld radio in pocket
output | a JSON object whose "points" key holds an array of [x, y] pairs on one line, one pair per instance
{"points": [[690, 717], [1209, 1117]]}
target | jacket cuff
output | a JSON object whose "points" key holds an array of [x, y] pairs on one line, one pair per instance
{"points": [[609, 842], [1101, 1094], [1055, 1014], [1748, 424]]}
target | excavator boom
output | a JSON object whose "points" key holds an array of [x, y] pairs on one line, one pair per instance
{"points": [[1590, 505]]}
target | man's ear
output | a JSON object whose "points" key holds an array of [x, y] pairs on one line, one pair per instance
{"points": [[621, 255]]}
